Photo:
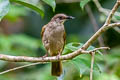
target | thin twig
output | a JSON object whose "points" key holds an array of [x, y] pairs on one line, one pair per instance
{"points": [[102, 29], [117, 29], [112, 13], [101, 48], [20, 67], [92, 63], [106, 12]]}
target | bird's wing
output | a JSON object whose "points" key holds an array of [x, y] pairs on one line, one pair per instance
{"points": [[42, 33], [43, 29], [64, 37]]}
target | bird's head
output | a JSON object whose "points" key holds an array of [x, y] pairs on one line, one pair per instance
{"points": [[61, 18]]}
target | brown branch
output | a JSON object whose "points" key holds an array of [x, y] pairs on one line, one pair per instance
{"points": [[20, 67], [102, 29], [117, 29], [112, 13], [46, 59], [101, 48], [106, 12], [92, 63], [103, 10], [32, 64]]}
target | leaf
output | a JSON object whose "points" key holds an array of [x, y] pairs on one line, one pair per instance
{"points": [[51, 3], [29, 5], [70, 47], [83, 3], [117, 17], [4, 8], [83, 63], [100, 67], [19, 45], [15, 12], [25, 41], [5, 43]]}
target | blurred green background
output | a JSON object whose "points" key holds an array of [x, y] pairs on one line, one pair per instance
{"points": [[20, 36]]}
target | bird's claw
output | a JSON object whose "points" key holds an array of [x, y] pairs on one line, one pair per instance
{"points": [[58, 56], [46, 55]]}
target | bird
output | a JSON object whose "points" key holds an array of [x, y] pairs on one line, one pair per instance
{"points": [[54, 38]]}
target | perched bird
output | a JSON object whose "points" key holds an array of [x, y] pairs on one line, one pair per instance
{"points": [[53, 38]]}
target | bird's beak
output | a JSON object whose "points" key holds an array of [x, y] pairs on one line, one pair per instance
{"points": [[70, 17]]}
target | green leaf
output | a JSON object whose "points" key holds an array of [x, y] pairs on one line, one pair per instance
{"points": [[15, 12], [19, 44], [29, 5], [83, 3], [51, 3], [70, 47], [4, 8], [83, 63], [117, 17], [100, 67]]}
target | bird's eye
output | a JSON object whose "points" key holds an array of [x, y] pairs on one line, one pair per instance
{"points": [[60, 17]]}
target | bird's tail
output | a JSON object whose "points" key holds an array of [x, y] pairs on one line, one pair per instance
{"points": [[56, 69]]}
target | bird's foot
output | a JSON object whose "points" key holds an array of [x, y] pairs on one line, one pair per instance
{"points": [[46, 55], [58, 56]]}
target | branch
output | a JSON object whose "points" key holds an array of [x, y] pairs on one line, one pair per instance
{"points": [[20, 67], [46, 59], [101, 48], [92, 63], [106, 12], [102, 29], [103, 10], [95, 25], [54, 58]]}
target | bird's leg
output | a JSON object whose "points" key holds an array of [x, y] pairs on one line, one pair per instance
{"points": [[58, 55], [46, 55]]}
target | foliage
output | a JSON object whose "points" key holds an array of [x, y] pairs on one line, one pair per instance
{"points": [[15, 12], [83, 3], [51, 3], [73, 46], [4, 8], [20, 44], [29, 5], [81, 62]]}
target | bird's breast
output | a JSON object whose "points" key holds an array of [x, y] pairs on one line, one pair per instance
{"points": [[56, 31], [53, 38]]}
